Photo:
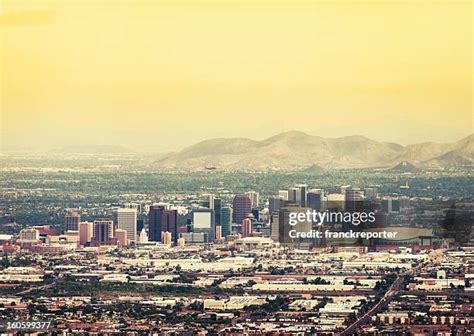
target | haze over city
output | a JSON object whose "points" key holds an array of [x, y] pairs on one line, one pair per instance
{"points": [[236, 167], [166, 75]]}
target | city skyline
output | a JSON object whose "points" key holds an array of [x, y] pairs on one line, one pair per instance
{"points": [[386, 258], [236, 167], [169, 75]]}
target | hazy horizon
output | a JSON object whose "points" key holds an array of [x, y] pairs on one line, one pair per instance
{"points": [[151, 149], [166, 75]]}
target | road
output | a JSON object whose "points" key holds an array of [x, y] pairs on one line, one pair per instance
{"points": [[389, 295], [392, 291], [45, 286]]}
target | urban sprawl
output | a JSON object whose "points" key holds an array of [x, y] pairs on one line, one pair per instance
{"points": [[219, 259]]}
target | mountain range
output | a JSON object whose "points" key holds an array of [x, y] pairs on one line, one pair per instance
{"points": [[298, 150]]}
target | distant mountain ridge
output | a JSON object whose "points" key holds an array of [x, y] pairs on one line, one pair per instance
{"points": [[297, 150]]}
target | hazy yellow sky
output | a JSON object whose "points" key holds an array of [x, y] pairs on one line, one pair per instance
{"points": [[166, 74]]}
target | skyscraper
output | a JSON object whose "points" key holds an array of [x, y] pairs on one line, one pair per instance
{"points": [[256, 214], [86, 231], [127, 220], [390, 205], [208, 201], [280, 228], [162, 219], [247, 229], [103, 232], [225, 221], [275, 226], [314, 199], [72, 220], [354, 202], [283, 194], [218, 211], [204, 222], [273, 205], [293, 195], [301, 197], [353, 199], [254, 198], [335, 202], [241, 208], [140, 225]]}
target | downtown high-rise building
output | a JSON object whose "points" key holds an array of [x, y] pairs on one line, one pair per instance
{"points": [[335, 202], [314, 199], [242, 206], [140, 225], [208, 201], [353, 198], [72, 219], [301, 196], [247, 227], [203, 220], [103, 232], [293, 195], [226, 215], [162, 219], [353, 202], [280, 227], [213, 203], [274, 204], [127, 220], [256, 213], [390, 205], [283, 194], [254, 198], [218, 211], [86, 232]]}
